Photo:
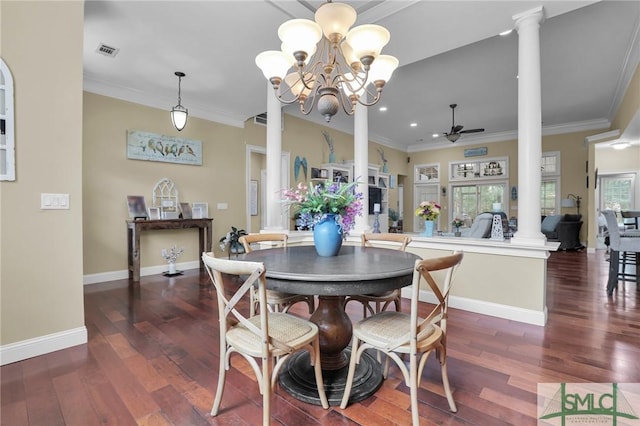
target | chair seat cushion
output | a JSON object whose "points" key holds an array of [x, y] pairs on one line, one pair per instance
{"points": [[377, 297], [288, 329], [384, 330], [280, 298]]}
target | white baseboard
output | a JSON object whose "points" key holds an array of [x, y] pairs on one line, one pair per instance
{"points": [[124, 274], [19, 351], [513, 313]]}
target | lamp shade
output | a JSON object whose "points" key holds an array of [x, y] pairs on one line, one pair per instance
{"points": [[335, 18], [274, 63], [294, 82], [368, 40], [300, 35], [568, 202], [179, 117], [382, 68], [348, 53]]}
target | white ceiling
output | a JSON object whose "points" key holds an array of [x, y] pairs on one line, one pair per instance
{"points": [[448, 50]]}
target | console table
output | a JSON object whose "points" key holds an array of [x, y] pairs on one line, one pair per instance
{"points": [[136, 227]]}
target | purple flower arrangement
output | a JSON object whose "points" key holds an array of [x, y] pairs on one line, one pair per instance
{"points": [[313, 202]]}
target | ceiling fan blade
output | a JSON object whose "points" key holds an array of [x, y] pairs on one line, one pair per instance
{"points": [[456, 129], [472, 131]]}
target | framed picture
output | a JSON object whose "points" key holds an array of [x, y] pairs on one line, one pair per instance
{"points": [[185, 208], [154, 213], [203, 209], [137, 207], [149, 146]]}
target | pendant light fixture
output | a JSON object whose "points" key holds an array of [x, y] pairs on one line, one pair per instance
{"points": [[327, 64], [179, 113]]}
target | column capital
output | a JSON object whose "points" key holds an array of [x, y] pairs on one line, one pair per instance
{"points": [[532, 15]]}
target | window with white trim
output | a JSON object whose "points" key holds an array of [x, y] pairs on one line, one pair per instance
{"points": [[550, 183], [7, 144]]}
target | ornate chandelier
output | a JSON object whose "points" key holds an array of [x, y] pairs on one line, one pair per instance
{"points": [[330, 65]]}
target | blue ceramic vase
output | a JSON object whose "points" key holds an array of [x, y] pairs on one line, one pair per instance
{"points": [[327, 236], [428, 228]]}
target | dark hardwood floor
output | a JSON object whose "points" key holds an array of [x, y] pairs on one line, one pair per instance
{"points": [[152, 359]]}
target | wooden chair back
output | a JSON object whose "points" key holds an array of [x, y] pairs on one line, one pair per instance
{"points": [[247, 240], [370, 238], [424, 271]]}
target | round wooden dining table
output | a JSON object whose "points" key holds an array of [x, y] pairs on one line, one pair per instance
{"points": [[355, 270]]}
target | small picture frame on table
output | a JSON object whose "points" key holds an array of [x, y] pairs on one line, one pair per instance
{"points": [[185, 208], [154, 213], [137, 207], [204, 210]]}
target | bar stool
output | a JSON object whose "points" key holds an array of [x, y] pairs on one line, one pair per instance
{"points": [[626, 243]]}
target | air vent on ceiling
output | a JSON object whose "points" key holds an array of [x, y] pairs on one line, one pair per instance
{"points": [[261, 119], [105, 50]]}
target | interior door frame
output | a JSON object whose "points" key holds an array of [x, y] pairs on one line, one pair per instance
{"points": [[284, 183]]}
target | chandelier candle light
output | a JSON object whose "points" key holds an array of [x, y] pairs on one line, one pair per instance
{"points": [[340, 73]]}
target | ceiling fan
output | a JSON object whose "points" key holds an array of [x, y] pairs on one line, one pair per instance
{"points": [[456, 131]]}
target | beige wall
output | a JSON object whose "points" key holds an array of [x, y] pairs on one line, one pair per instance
{"points": [[614, 160], [109, 177], [41, 270]]}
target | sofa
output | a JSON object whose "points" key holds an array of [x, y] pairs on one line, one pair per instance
{"points": [[480, 228], [563, 228]]}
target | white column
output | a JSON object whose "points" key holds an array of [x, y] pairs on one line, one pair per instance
{"points": [[529, 127], [274, 154], [361, 164]]}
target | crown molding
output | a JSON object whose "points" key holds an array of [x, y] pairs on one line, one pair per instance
{"points": [[138, 97]]}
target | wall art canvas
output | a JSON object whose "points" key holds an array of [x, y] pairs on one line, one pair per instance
{"points": [[168, 149]]}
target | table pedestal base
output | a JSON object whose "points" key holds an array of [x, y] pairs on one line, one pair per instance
{"points": [[297, 378]]}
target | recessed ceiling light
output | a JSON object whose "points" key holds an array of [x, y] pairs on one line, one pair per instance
{"points": [[383, 109], [620, 145], [413, 124], [435, 135], [507, 32]]}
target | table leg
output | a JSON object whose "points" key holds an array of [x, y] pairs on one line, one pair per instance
{"points": [[136, 253], [297, 377], [201, 246], [130, 252]]}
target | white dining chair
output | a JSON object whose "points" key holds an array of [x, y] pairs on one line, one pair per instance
{"points": [[398, 333], [268, 335], [277, 301]]}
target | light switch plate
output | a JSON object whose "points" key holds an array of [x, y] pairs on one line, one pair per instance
{"points": [[54, 201], [223, 206]]}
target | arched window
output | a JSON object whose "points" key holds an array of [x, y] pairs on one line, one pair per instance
{"points": [[7, 142]]}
